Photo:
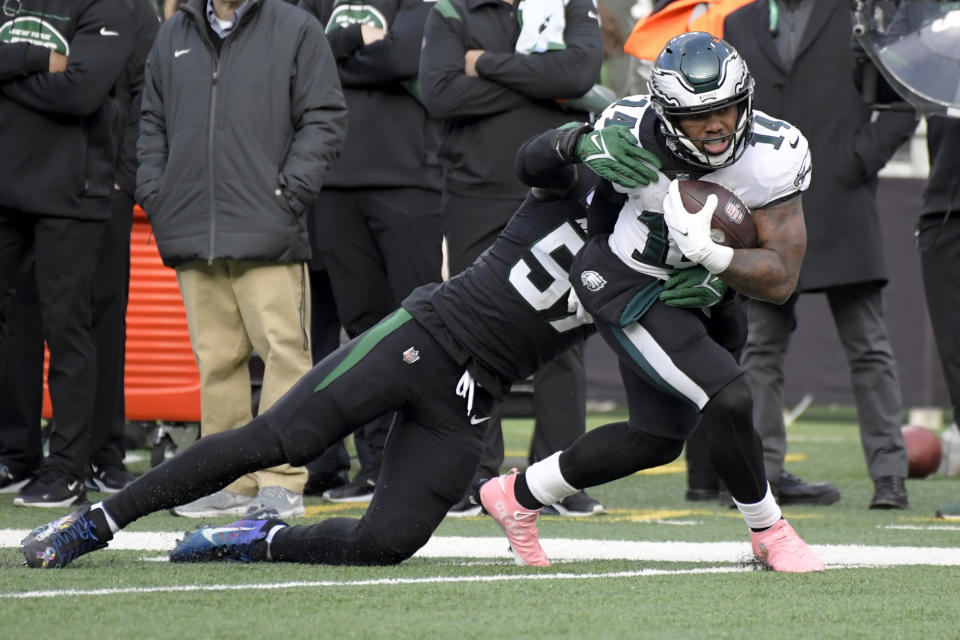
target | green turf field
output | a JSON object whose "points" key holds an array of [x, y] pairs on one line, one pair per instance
{"points": [[653, 567]]}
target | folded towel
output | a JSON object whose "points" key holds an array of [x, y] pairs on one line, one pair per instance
{"points": [[541, 25]]}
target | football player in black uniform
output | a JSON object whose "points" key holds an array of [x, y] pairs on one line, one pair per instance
{"points": [[442, 360], [700, 124]]}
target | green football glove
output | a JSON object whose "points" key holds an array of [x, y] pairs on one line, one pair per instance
{"points": [[613, 153], [693, 288]]}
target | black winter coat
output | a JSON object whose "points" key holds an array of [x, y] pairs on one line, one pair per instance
{"points": [[58, 130], [233, 145], [514, 97], [819, 96]]}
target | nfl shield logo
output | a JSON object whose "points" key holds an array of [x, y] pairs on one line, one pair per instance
{"points": [[411, 355], [734, 211]]}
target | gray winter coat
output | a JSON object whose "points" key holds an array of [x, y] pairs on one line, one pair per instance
{"points": [[233, 146]]}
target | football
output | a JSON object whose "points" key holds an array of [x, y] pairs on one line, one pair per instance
{"points": [[923, 450], [732, 224]]}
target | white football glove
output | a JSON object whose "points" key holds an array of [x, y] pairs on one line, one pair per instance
{"points": [[691, 231], [574, 306]]}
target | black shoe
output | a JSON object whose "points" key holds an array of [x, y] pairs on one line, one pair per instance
{"points": [[702, 495], [57, 544], [10, 483], [578, 505], [467, 506], [789, 489], [51, 489], [318, 483], [360, 489], [108, 479], [890, 493]]}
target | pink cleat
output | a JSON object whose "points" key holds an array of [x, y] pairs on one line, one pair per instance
{"points": [[518, 523], [781, 549]]}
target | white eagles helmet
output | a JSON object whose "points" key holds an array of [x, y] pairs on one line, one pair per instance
{"points": [[696, 73]]}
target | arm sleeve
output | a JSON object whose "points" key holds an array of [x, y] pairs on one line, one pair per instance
{"points": [[876, 142], [447, 90], [564, 73], [95, 62], [20, 59], [147, 27], [542, 162], [393, 59], [319, 115], [152, 142]]}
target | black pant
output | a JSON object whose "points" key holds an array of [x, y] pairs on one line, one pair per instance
{"points": [[21, 379], [559, 386], [939, 244], [110, 292], [65, 252], [428, 460], [376, 246]]}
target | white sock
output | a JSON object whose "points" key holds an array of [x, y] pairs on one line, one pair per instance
{"points": [[269, 538], [763, 514], [110, 523], [545, 481]]}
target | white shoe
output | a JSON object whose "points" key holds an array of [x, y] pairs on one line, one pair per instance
{"points": [[279, 502], [221, 503]]}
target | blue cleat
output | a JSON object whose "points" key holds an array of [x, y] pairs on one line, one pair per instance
{"points": [[57, 544], [237, 542]]}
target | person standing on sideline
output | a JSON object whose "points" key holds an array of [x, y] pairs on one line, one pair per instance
{"points": [[21, 369], [938, 239], [377, 226], [225, 179], [496, 72], [799, 53], [112, 280], [59, 61]]}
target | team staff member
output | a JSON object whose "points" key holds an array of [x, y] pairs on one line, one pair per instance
{"points": [[242, 116], [495, 84], [59, 60], [377, 226], [799, 52]]}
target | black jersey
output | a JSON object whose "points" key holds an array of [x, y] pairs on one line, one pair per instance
{"points": [[507, 314]]}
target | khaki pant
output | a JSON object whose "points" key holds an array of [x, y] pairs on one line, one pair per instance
{"points": [[233, 308]]}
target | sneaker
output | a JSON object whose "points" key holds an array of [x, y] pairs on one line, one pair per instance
{"points": [[789, 489], [890, 493], [57, 544], [221, 503], [242, 541], [578, 505], [781, 549], [51, 489], [317, 483], [466, 507], [518, 523], [109, 479], [9, 483], [360, 489], [949, 511], [280, 502], [701, 495]]}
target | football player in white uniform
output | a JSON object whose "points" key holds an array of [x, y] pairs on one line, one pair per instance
{"points": [[699, 123]]}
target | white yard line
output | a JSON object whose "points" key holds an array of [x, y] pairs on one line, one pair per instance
{"points": [[569, 550], [57, 593]]}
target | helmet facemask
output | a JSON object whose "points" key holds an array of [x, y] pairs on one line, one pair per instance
{"points": [[697, 73]]}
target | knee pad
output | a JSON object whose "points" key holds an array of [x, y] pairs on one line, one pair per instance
{"points": [[658, 450], [734, 401]]}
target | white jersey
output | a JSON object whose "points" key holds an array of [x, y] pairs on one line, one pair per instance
{"points": [[775, 166]]}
